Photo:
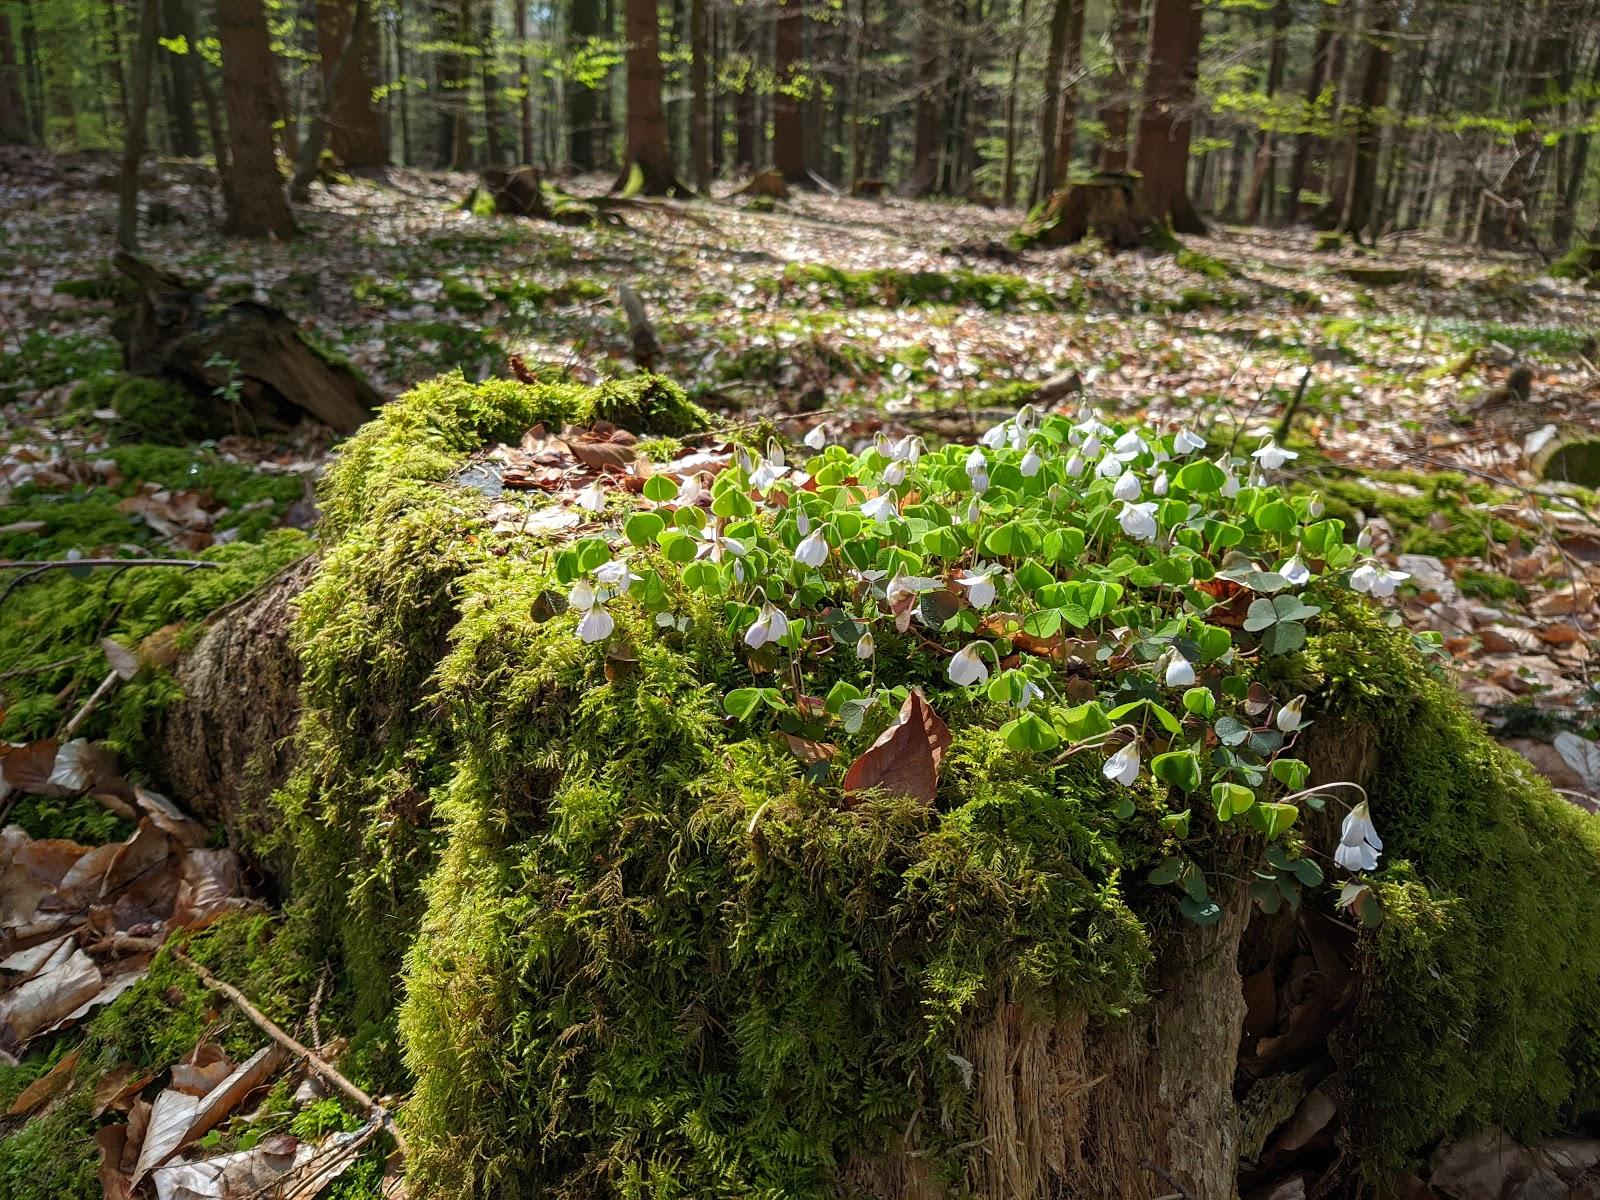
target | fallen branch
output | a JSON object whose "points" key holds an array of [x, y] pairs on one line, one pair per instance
{"points": [[313, 1060], [88, 706]]}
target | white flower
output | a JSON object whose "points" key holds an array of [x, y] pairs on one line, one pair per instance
{"points": [[980, 482], [1091, 448], [1187, 442], [692, 492], [802, 521], [1075, 466], [1376, 580], [769, 626], [880, 508], [593, 497], [907, 449], [1315, 507], [1158, 485], [1029, 693], [1296, 572], [1289, 717], [716, 545], [1230, 485], [815, 437], [596, 625], [767, 473], [967, 667], [1364, 538], [996, 435], [865, 646], [1272, 456], [1139, 520], [1031, 462], [980, 588], [1127, 486], [974, 512], [894, 474], [1129, 445], [1180, 671], [582, 595], [1359, 843], [1123, 766], [813, 551], [614, 578], [1108, 465], [977, 464]]}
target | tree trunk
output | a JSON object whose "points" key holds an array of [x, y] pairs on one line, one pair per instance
{"points": [[1008, 169], [788, 125], [647, 120], [14, 128], [1071, 86], [346, 59], [1302, 149], [584, 25], [1361, 177], [356, 132], [928, 135], [133, 139], [1119, 87], [1263, 184], [256, 203], [519, 13], [699, 98], [1050, 106], [489, 76], [185, 133], [1162, 152]]}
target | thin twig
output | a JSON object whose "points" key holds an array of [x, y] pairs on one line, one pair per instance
{"points": [[88, 706], [309, 1057], [1166, 1177]]}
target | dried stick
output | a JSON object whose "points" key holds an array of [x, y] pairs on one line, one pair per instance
{"points": [[88, 706], [264, 1023]]}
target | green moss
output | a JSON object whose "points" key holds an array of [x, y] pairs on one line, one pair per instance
{"points": [[48, 360], [107, 286], [80, 819], [1328, 243], [464, 296], [1482, 982], [53, 1156], [1490, 585], [894, 287], [380, 292], [444, 346], [1580, 263], [1440, 514], [151, 410], [1206, 265]]}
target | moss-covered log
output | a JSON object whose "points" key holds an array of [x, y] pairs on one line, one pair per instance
{"points": [[639, 948]]}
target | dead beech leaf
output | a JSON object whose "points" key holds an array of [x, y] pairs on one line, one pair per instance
{"points": [[160, 649], [27, 768], [45, 1088], [810, 752], [904, 761], [115, 1182], [601, 456], [178, 1119], [48, 998], [170, 819], [116, 1092], [120, 659], [259, 1171]]}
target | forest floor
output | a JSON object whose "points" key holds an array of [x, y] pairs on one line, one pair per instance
{"points": [[1383, 370]]}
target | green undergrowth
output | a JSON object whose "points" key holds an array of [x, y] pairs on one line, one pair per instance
{"points": [[642, 954], [894, 287], [1481, 988], [1442, 514], [150, 410]]}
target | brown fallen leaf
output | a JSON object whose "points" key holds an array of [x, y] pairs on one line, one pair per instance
{"points": [[176, 1119], [27, 768], [254, 1172], [47, 998], [905, 759], [120, 659], [601, 456], [170, 819], [117, 1090], [45, 1088], [810, 752], [115, 1182]]}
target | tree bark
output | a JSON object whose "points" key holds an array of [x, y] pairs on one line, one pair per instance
{"points": [[1050, 106], [1361, 177], [699, 99], [347, 59], [1071, 85], [257, 206], [647, 120], [519, 12], [347, 47], [1008, 168], [1161, 154], [185, 133], [489, 78], [1119, 87], [928, 134], [133, 140], [1315, 82], [583, 26], [788, 126], [14, 128], [1263, 184]]}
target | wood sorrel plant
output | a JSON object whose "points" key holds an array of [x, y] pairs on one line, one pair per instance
{"points": [[1105, 588]]}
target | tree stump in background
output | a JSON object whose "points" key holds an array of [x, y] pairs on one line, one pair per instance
{"points": [[517, 192], [766, 183], [247, 355], [1107, 206]]}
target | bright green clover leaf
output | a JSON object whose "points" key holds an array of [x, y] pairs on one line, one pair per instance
{"points": [[1181, 768]]}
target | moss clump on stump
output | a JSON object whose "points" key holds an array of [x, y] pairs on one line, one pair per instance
{"points": [[643, 956]]}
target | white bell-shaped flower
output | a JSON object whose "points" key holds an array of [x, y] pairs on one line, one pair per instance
{"points": [[1139, 520], [1127, 487], [1376, 580], [1180, 671], [1296, 571], [1031, 462], [816, 438], [770, 625], [881, 509], [865, 646], [597, 625], [1075, 466], [980, 587], [1271, 456], [967, 666], [813, 550], [894, 474], [1291, 716], [1160, 484], [593, 497], [1187, 442], [1123, 766], [1359, 843]]}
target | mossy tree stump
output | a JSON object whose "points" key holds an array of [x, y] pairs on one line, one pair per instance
{"points": [[1108, 206], [645, 953]]}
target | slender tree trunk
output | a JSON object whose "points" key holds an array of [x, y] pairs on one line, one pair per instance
{"points": [[1071, 86], [185, 133], [1161, 155], [33, 72], [858, 95], [788, 124], [14, 129], [133, 137], [113, 59], [356, 126], [647, 119], [699, 97], [584, 25], [1263, 185], [1119, 87], [1577, 167], [1008, 169], [1361, 177], [345, 60], [1050, 106], [928, 133], [408, 147], [257, 206], [489, 76]]}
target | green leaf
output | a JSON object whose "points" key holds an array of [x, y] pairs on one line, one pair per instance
{"points": [[1231, 799], [703, 577], [742, 702], [643, 527], [1274, 820], [1284, 638], [660, 488], [1200, 476], [1201, 912], [1276, 517], [1085, 721], [1166, 871], [1043, 623], [1181, 768], [1266, 895], [1176, 824], [1292, 608], [1307, 872], [941, 543], [1029, 732], [1261, 615], [840, 694], [1031, 577], [1231, 731], [678, 547], [1200, 702], [1291, 772]]}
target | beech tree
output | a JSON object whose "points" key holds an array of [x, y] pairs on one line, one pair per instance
{"points": [[257, 206], [1161, 155], [647, 148]]}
